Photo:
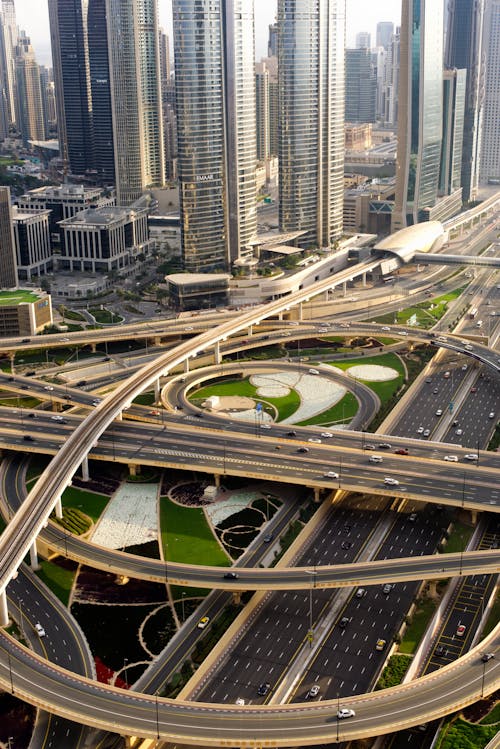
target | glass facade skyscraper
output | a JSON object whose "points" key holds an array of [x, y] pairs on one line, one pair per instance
{"points": [[420, 111], [215, 102], [311, 118], [464, 50], [490, 146]]}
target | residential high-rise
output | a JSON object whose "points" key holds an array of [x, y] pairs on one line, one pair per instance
{"points": [[262, 110], [311, 70], [8, 41], [70, 57], [420, 108], [464, 50], [135, 97], [8, 270], [164, 52], [360, 86], [454, 86], [215, 97], [385, 30], [30, 113], [363, 40], [272, 43], [490, 146]]}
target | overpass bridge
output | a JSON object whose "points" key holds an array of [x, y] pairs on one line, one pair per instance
{"points": [[442, 259]]}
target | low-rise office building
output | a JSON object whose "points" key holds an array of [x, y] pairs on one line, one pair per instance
{"points": [[32, 243], [24, 312]]}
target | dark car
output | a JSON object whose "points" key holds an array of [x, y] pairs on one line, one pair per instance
{"points": [[263, 689], [293, 433], [441, 651], [268, 537], [344, 622], [26, 340], [346, 544], [11, 379], [31, 374], [401, 451], [302, 449], [384, 446], [28, 438], [81, 383], [230, 576], [32, 415]]}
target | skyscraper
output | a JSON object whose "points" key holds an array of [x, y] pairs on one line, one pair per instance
{"points": [[70, 57], [215, 95], [363, 40], [490, 147], [385, 30], [30, 113], [464, 50], [8, 270], [420, 110], [360, 86], [262, 110], [8, 41], [135, 97], [311, 77], [454, 85]]}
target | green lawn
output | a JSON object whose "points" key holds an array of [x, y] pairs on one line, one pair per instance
{"points": [[91, 504], [416, 629], [459, 538], [460, 734], [285, 406], [493, 618], [8, 298], [344, 410], [492, 717], [384, 390], [186, 536], [58, 579]]}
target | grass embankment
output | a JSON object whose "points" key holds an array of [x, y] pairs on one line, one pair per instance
{"points": [[422, 315], [394, 672], [418, 625], [284, 406], [58, 579], [186, 536], [458, 538], [460, 734]]}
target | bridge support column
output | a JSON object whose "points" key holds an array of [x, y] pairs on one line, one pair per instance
{"points": [[473, 514], [316, 493], [157, 340], [93, 347], [217, 479], [157, 389], [12, 357], [301, 311], [85, 469], [186, 366], [237, 597], [4, 611], [34, 557], [363, 279], [58, 509], [344, 288], [280, 316], [217, 354], [134, 469], [250, 330], [432, 591]]}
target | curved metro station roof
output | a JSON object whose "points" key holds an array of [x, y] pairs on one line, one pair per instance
{"points": [[404, 243]]}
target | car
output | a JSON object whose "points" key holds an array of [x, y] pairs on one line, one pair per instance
{"points": [[314, 439], [263, 689], [188, 327], [292, 433], [240, 701], [346, 544], [381, 643], [81, 383], [386, 329], [345, 712], [315, 371], [56, 417], [231, 576], [48, 387], [401, 451], [471, 456], [375, 459], [26, 340], [420, 430], [40, 630], [384, 446], [461, 630], [441, 651], [403, 332], [96, 402], [428, 379], [11, 379], [386, 589], [459, 432], [330, 475], [390, 481], [435, 391], [360, 592], [451, 458], [313, 691], [327, 435], [439, 412], [454, 423], [302, 449], [203, 622], [447, 375], [487, 657], [199, 415], [468, 347], [344, 622], [32, 415], [63, 340], [491, 415], [268, 538], [370, 447], [265, 426], [344, 324], [427, 432], [412, 516], [473, 390], [464, 367], [28, 438], [107, 358]]}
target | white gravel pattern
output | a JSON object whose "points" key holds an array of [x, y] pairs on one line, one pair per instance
{"points": [[317, 394], [372, 372], [224, 508], [130, 518]]}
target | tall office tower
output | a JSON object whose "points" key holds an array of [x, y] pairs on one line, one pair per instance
{"points": [[464, 50], [490, 148], [102, 114], [45, 88], [70, 57], [420, 111], [385, 30], [454, 87], [363, 40], [262, 110], [360, 86], [8, 269], [272, 43], [4, 108], [164, 51], [215, 96], [30, 116], [311, 70], [393, 60], [135, 97], [8, 32]]}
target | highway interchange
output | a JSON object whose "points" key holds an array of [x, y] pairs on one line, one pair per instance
{"points": [[322, 451]]}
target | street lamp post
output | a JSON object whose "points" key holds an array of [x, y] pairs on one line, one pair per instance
{"points": [[125, 662], [183, 596], [310, 634]]}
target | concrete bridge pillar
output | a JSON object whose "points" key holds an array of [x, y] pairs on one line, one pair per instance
{"points": [[93, 347], [237, 597], [301, 311], [58, 508], [473, 514], [119, 417], [432, 590], [317, 491], [12, 356], [85, 469], [217, 354], [186, 365], [344, 288], [250, 330], [363, 279], [280, 316], [157, 340], [134, 469], [4, 611], [217, 479], [34, 557], [157, 389]]}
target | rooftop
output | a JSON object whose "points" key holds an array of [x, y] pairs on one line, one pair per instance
{"points": [[18, 296]]}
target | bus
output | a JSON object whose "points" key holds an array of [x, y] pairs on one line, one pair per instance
{"points": [[472, 313]]}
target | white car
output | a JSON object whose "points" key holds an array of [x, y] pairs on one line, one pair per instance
{"points": [[40, 630], [313, 692], [403, 332], [327, 435], [48, 387], [459, 431], [314, 439], [345, 712], [439, 412], [314, 371], [56, 418], [420, 430], [375, 459], [265, 426], [491, 415], [391, 482], [471, 456], [427, 432], [240, 701], [451, 458], [331, 475], [386, 329]]}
